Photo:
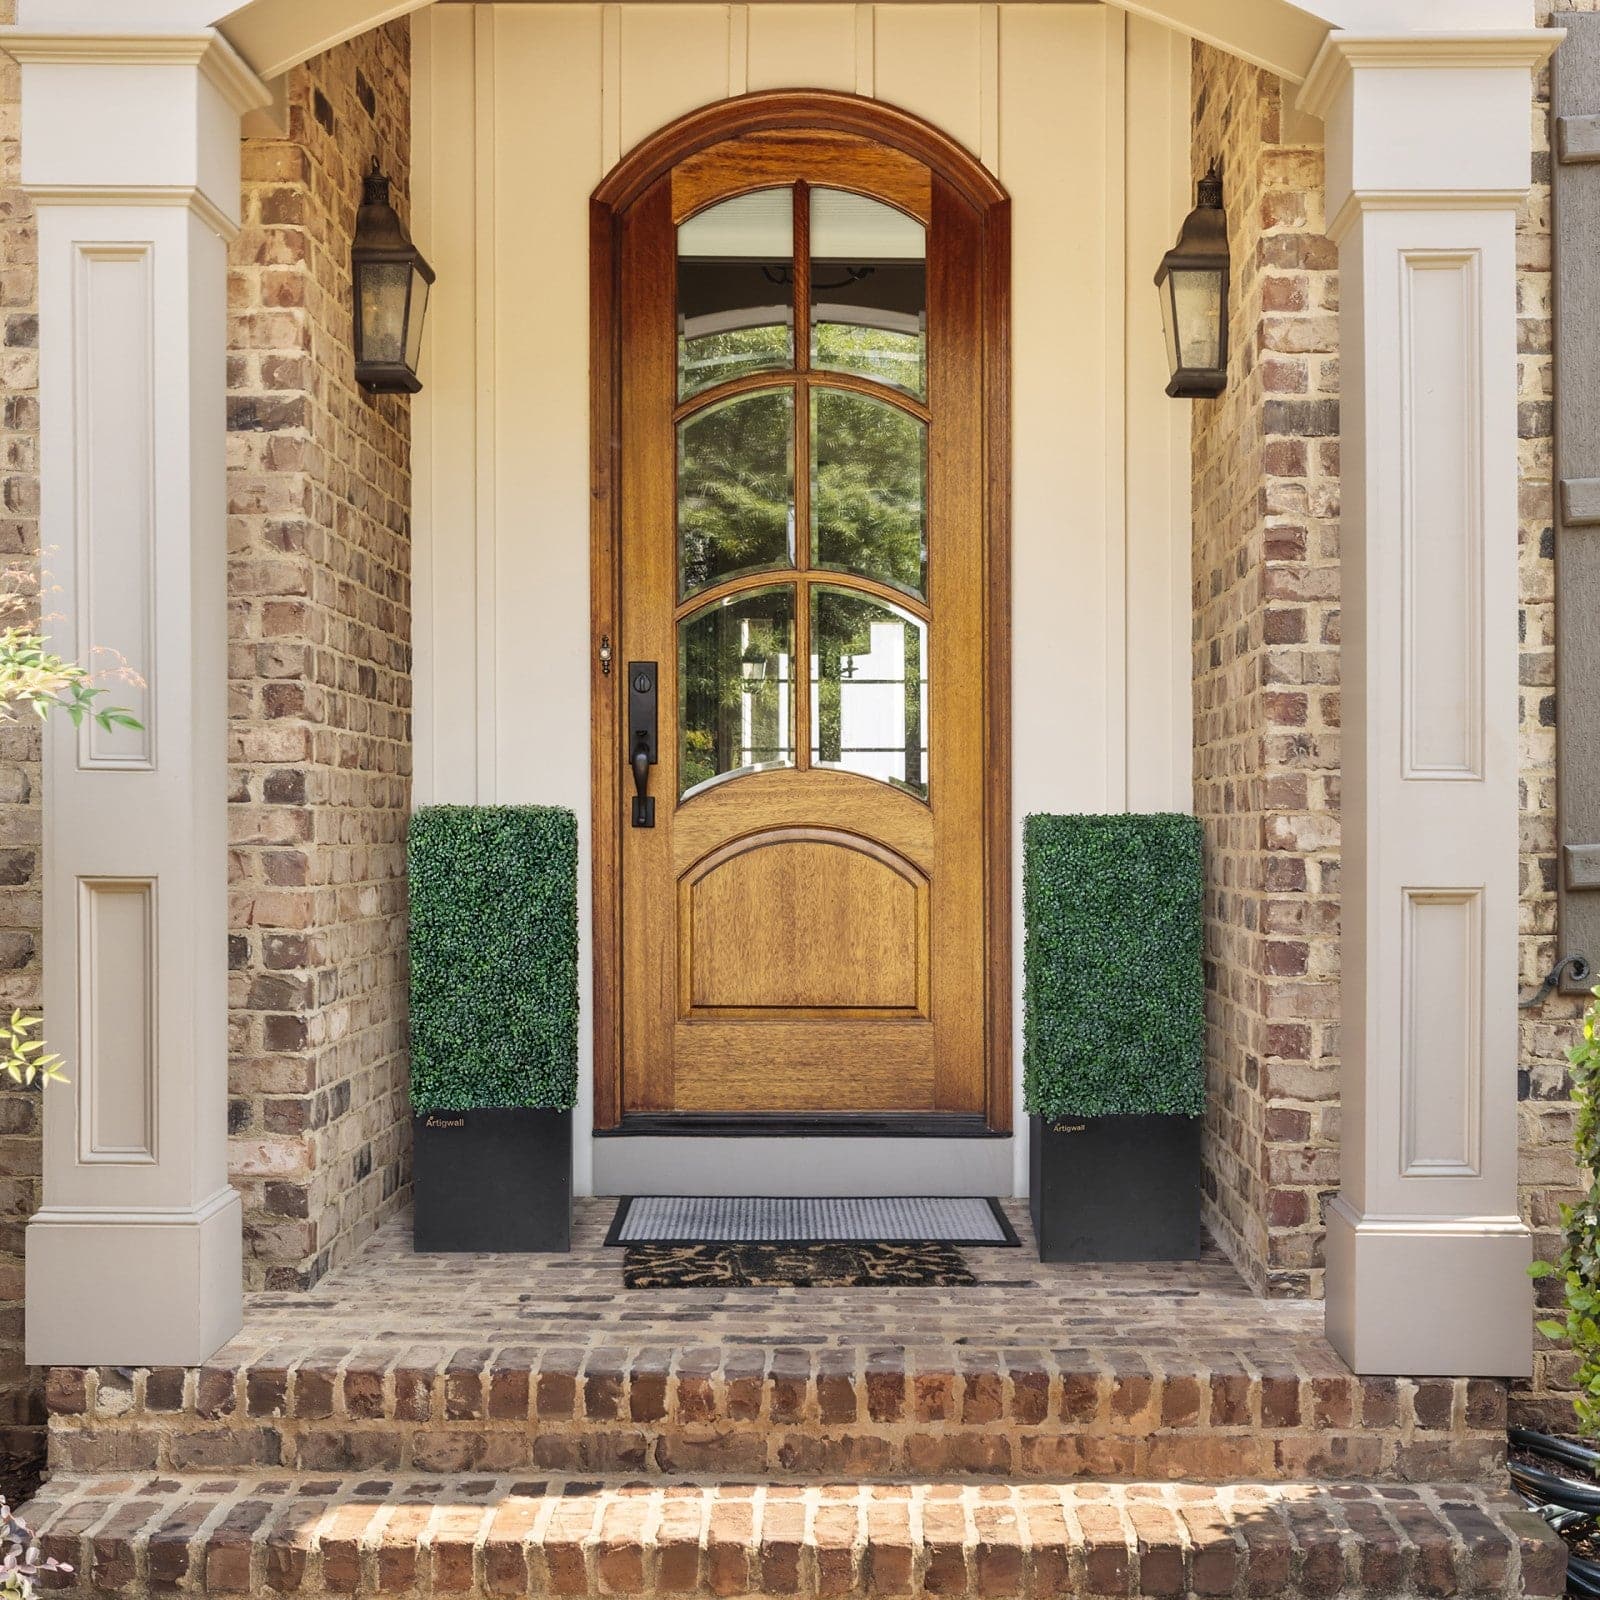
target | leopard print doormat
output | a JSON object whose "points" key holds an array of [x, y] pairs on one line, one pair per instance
{"points": [[794, 1266]]}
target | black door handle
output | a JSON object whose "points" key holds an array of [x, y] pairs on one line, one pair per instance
{"points": [[642, 738]]}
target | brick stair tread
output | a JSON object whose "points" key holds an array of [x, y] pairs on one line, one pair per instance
{"points": [[505, 1536], [779, 1411]]}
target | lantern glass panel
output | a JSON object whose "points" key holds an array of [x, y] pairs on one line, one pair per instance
{"points": [[1169, 326], [415, 317], [1197, 317], [381, 287]]}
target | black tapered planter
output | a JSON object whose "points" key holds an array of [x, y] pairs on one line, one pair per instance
{"points": [[493, 1180], [1115, 1188]]}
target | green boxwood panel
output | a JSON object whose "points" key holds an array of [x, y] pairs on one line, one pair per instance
{"points": [[1114, 987], [494, 957]]}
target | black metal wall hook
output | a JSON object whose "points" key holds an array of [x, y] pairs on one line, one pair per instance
{"points": [[1581, 972]]}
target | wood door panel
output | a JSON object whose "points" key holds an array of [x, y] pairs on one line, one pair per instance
{"points": [[804, 920], [770, 801], [805, 1066]]}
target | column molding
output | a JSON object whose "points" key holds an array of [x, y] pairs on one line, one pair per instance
{"points": [[1428, 159], [130, 153]]}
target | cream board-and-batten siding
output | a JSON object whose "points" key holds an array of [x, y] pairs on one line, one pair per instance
{"points": [[518, 111]]}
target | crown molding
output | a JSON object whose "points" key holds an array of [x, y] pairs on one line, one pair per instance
{"points": [[215, 58], [191, 199], [1342, 54], [1361, 201]]}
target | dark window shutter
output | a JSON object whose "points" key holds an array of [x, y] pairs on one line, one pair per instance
{"points": [[1575, 181]]}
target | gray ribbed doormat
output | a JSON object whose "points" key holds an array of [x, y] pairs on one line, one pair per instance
{"points": [[764, 1219]]}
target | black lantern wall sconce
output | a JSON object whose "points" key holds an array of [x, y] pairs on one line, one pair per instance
{"points": [[1193, 281], [391, 280]]}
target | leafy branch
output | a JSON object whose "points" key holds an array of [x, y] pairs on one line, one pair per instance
{"points": [[1579, 1267], [23, 1057], [34, 678]]}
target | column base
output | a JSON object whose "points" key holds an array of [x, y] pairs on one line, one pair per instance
{"points": [[134, 1288], [1420, 1299]]}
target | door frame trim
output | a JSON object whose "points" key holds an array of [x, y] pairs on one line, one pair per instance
{"points": [[633, 175]]}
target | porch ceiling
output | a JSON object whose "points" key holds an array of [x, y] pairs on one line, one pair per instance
{"points": [[274, 35]]}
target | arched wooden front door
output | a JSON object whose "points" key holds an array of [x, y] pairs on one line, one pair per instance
{"points": [[801, 885]]}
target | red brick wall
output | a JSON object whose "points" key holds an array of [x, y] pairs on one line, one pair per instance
{"points": [[319, 594], [1266, 693]]}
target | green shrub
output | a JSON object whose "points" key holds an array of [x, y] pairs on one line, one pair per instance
{"points": [[1114, 989], [494, 957], [1579, 1267]]}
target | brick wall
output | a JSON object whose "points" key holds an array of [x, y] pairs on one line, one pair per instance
{"points": [[21, 1396], [1548, 1170], [319, 668], [1266, 696]]}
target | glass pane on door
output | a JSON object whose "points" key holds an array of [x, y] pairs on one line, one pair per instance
{"points": [[736, 687], [735, 489], [869, 489], [869, 688], [869, 290], [736, 290]]}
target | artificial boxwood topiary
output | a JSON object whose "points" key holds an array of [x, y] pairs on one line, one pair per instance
{"points": [[494, 957], [1114, 989]]}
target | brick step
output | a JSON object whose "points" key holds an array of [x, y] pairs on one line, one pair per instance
{"points": [[265, 1534], [781, 1413]]}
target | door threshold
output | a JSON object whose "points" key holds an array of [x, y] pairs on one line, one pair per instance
{"points": [[812, 1163], [800, 1125]]}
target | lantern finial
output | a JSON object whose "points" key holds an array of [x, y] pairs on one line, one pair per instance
{"points": [[375, 187]]}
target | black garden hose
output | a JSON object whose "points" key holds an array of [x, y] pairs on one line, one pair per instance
{"points": [[1554, 1449], [1566, 1504], [1583, 1576], [1550, 1488]]}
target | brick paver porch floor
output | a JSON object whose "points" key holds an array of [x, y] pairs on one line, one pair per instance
{"points": [[509, 1363], [389, 1295], [522, 1426]]}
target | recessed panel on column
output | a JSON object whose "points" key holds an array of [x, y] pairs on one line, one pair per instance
{"points": [[114, 547], [1442, 521], [115, 1065], [1441, 1037]]}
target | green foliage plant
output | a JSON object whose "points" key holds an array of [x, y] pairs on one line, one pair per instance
{"points": [[1113, 980], [494, 957], [35, 679], [1579, 1267]]}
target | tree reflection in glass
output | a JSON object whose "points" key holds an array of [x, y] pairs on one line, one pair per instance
{"points": [[735, 687], [869, 290], [735, 272], [735, 489], [869, 689], [868, 489]]}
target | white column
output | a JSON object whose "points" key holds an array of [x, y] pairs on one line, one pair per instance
{"points": [[130, 152], [1428, 159]]}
